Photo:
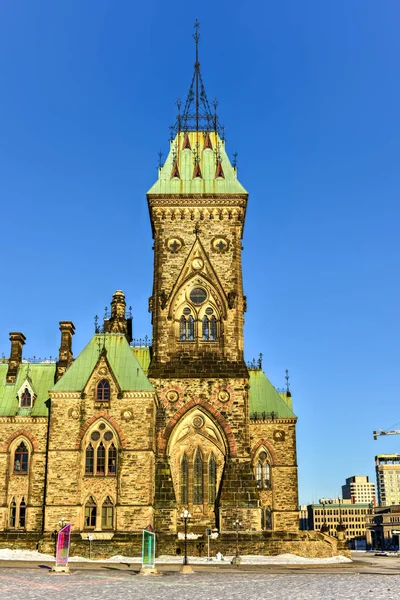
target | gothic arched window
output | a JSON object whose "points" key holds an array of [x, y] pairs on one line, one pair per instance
{"points": [[107, 514], [26, 399], [21, 459], [205, 328], [90, 513], [213, 328], [190, 336], [112, 460], [13, 513], [268, 518], [101, 459], [182, 328], [263, 471], [89, 460], [184, 480], [103, 391], [212, 479], [198, 478], [22, 513]]}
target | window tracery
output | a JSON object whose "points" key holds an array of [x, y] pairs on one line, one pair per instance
{"points": [[100, 452], [107, 514], [90, 513], [26, 399], [184, 479], [212, 479], [198, 480], [17, 514], [263, 471]]}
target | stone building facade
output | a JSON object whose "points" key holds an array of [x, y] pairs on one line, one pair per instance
{"points": [[123, 437]]}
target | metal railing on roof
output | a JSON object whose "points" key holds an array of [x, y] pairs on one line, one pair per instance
{"points": [[263, 416], [141, 342], [255, 364], [37, 359]]}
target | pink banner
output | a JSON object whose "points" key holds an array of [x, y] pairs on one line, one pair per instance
{"points": [[63, 541]]}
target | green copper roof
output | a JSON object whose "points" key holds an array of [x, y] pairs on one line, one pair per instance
{"points": [[41, 378], [122, 360], [142, 353], [265, 398], [207, 150]]}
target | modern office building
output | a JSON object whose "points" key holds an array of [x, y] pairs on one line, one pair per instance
{"points": [[388, 478], [359, 489], [351, 516]]}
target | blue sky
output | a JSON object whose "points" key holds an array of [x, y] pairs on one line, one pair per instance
{"points": [[309, 93]]}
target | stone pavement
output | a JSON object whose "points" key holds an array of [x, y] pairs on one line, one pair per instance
{"points": [[366, 577]]}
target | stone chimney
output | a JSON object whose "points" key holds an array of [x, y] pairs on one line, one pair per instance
{"points": [[65, 357], [17, 340]]}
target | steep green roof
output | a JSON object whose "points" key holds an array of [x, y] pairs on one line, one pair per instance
{"points": [[122, 360], [265, 398], [142, 353], [176, 176], [41, 377]]}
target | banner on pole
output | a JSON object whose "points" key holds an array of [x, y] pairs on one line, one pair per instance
{"points": [[63, 543]]}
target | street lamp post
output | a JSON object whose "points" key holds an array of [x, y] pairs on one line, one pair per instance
{"points": [[185, 516]]}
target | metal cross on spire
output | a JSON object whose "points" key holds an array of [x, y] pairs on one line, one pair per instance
{"points": [[197, 114]]}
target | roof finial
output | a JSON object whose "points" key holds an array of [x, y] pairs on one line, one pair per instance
{"points": [[287, 381], [196, 36]]}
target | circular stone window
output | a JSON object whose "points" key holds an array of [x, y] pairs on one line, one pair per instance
{"points": [[108, 436], [102, 426], [209, 311], [172, 396], [95, 436], [186, 311], [198, 295]]}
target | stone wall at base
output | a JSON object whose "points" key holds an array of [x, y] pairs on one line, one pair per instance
{"points": [[309, 544]]}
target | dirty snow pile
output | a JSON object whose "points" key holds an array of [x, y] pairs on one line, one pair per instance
{"points": [[282, 559]]}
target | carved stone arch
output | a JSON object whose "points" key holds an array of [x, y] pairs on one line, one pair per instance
{"points": [[112, 423], [21, 435], [257, 448], [215, 415], [197, 280]]}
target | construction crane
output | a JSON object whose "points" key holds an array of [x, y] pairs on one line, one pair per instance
{"points": [[382, 432]]}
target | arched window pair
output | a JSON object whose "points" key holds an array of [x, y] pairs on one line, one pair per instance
{"points": [[103, 391], [207, 328], [107, 514], [101, 460], [17, 516], [263, 472], [197, 496], [21, 459]]}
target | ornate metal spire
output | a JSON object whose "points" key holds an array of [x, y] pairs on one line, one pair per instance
{"points": [[196, 115]]}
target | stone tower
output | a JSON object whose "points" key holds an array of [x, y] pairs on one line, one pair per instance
{"points": [[197, 210]]}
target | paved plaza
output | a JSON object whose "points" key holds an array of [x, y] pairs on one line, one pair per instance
{"points": [[369, 577]]}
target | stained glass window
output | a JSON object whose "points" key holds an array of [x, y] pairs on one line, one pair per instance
{"points": [[259, 474], [267, 475], [198, 478], [184, 480], [21, 459]]}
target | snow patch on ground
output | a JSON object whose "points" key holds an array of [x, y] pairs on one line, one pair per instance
{"points": [[282, 559]]}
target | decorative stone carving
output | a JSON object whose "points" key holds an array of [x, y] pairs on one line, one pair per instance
{"points": [[172, 396], [231, 299], [279, 435], [198, 422], [126, 415], [73, 413], [163, 299], [223, 395]]}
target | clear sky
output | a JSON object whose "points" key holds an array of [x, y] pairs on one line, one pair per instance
{"points": [[309, 93]]}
